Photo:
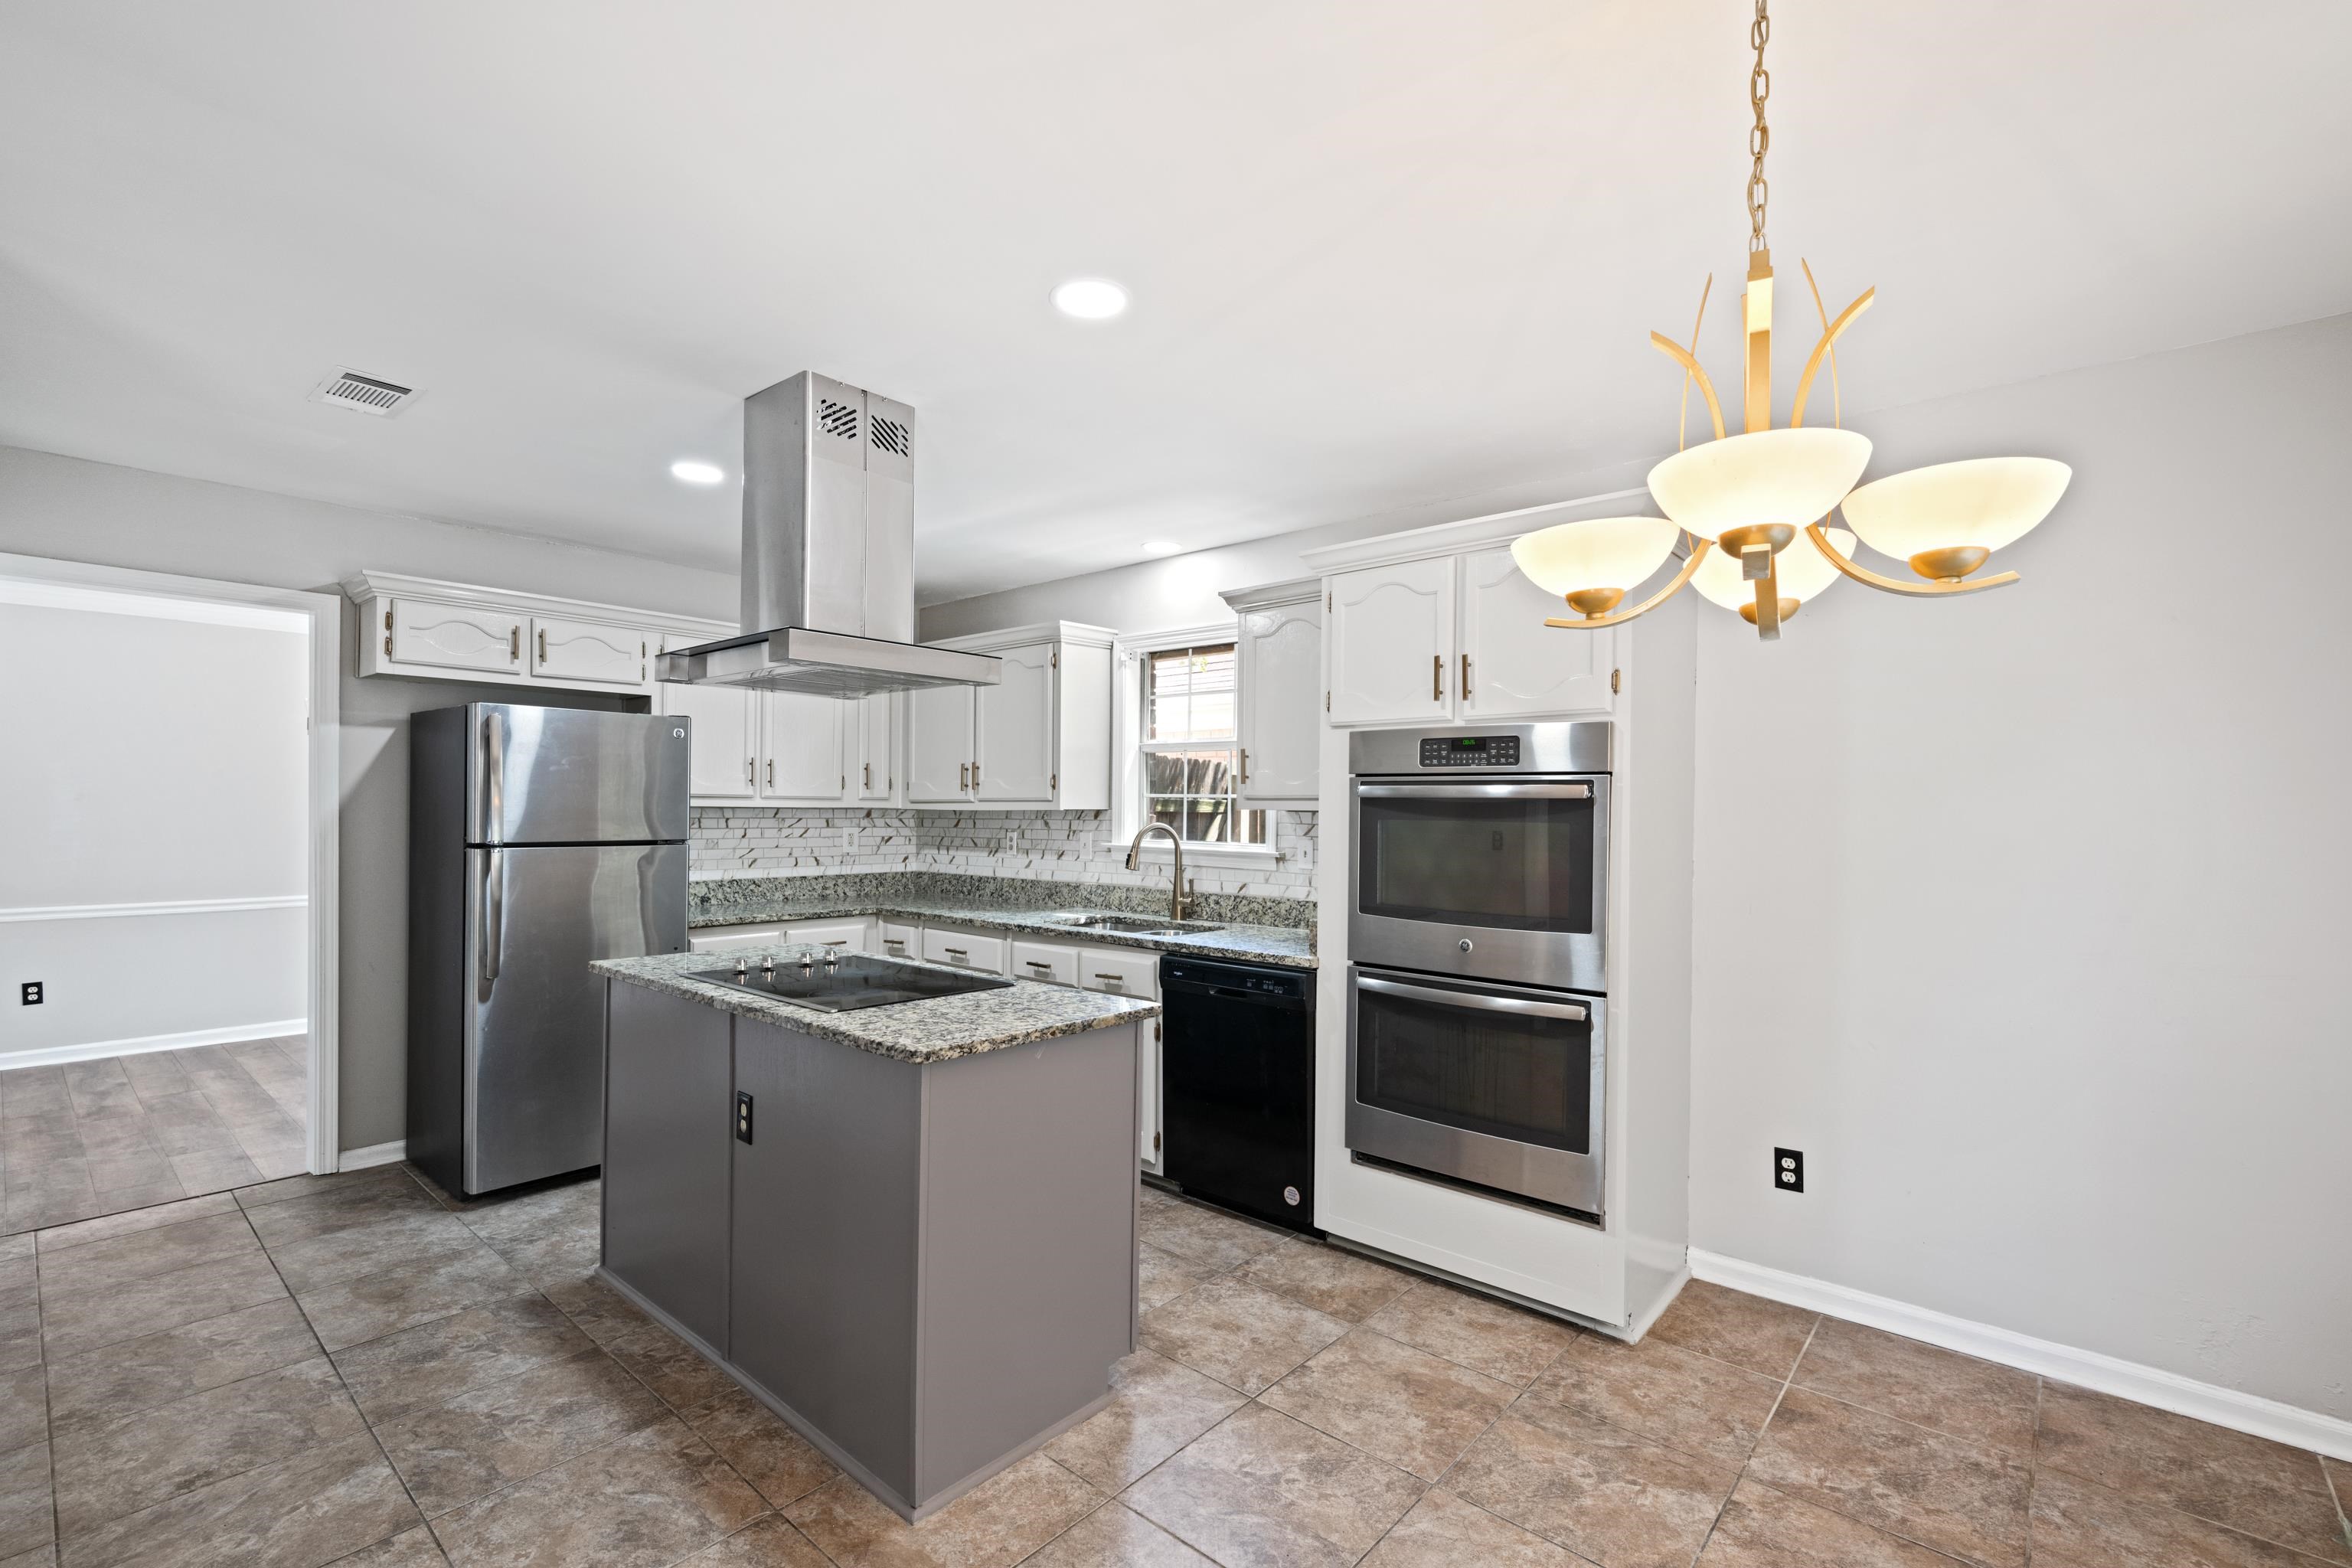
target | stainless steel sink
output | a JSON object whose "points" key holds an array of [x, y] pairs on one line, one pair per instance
{"points": [[1125, 925]]}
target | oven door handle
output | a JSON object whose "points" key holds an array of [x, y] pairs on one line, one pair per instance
{"points": [[1472, 1000], [1473, 792]]}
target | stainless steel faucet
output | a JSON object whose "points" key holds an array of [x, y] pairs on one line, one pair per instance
{"points": [[1176, 887]]}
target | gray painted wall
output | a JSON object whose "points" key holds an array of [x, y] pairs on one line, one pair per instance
{"points": [[70, 510]]}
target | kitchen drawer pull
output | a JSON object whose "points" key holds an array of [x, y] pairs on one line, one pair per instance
{"points": [[1474, 1001], [1114, 979], [836, 941], [958, 952], [1036, 963]]}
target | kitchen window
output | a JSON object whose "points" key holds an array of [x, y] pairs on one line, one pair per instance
{"points": [[1188, 762]]}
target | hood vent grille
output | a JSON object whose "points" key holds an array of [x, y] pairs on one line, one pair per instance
{"points": [[347, 388], [837, 418], [892, 437]]}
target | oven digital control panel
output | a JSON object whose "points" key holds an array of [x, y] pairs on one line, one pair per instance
{"points": [[1470, 752]]}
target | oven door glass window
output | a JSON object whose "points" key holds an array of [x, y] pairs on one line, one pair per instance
{"points": [[1510, 860], [1478, 1062]]}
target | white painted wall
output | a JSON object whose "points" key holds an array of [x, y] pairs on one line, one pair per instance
{"points": [[154, 759], [76, 510], [2025, 916]]}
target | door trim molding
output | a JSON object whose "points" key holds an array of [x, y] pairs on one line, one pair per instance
{"points": [[173, 593], [2231, 1407]]}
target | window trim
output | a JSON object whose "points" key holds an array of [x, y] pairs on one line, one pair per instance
{"points": [[1127, 815]]}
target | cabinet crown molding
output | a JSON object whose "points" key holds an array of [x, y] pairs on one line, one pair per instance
{"points": [[1073, 633], [363, 585], [1273, 595], [1471, 533]]}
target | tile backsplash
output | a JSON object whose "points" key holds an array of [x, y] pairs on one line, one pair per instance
{"points": [[1063, 846]]}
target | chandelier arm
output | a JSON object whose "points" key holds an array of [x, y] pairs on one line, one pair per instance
{"points": [[1837, 403], [1767, 602], [1681, 412], [1814, 532], [1829, 336], [1593, 622], [1683, 357]]}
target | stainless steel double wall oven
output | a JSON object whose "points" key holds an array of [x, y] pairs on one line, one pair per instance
{"points": [[1478, 882]]}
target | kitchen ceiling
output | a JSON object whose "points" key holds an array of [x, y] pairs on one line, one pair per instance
{"points": [[1380, 253]]}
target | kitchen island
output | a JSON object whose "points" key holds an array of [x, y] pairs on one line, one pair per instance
{"points": [[909, 1229]]}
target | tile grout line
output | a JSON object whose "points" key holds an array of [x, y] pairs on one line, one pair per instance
{"points": [[1786, 1384]]}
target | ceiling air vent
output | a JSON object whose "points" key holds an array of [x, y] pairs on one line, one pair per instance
{"points": [[347, 388]]}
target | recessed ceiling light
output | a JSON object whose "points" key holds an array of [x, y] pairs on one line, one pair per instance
{"points": [[1090, 298], [1161, 547], [696, 473]]}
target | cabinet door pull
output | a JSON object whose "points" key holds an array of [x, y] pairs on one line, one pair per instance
{"points": [[1465, 677], [1244, 778], [543, 645], [1437, 678], [867, 782], [963, 775], [514, 644], [772, 772]]}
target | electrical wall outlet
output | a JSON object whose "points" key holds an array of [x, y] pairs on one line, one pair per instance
{"points": [[1789, 1170], [30, 993]]}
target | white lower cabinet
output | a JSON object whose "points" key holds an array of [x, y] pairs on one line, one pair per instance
{"points": [[1122, 970], [849, 936], [1047, 961], [964, 949], [727, 939], [1147, 1100], [901, 941]]}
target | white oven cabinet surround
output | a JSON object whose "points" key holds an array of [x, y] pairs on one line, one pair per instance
{"points": [[1041, 737], [1279, 658], [1438, 625], [1620, 1274], [425, 628]]}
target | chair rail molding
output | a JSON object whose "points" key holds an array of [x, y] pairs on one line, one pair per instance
{"points": [[163, 907]]}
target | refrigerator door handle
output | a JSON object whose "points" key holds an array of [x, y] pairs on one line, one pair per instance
{"points": [[494, 915], [494, 776]]}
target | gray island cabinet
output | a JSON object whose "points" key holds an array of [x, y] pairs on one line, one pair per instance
{"points": [[908, 1230]]}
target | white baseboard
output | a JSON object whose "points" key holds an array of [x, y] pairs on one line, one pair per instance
{"points": [[2208, 1402], [374, 1154], [235, 1034]]}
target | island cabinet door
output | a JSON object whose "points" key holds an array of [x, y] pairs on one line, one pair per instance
{"points": [[823, 1297], [668, 1102]]}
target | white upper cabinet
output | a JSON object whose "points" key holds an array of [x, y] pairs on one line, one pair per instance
{"points": [[425, 630], [1391, 638], [1013, 754], [723, 758], [1040, 737], [590, 650], [1511, 663], [938, 745], [802, 760], [876, 776], [479, 637], [1278, 652]]}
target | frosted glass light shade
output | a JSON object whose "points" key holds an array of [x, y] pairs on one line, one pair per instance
{"points": [[1791, 477], [1803, 570], [1984, 503], [1598, 552]]}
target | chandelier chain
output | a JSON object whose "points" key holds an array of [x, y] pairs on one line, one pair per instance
{"points": [[1760, 135]]}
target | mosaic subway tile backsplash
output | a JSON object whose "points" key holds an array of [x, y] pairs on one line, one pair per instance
{"points": [[1063, 846]]}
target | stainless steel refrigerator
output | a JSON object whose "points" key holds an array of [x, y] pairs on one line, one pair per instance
{"points": [[540, 838]]}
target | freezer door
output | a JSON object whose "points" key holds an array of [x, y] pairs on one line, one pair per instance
{"points": [[565, 775], [535, 1018]]}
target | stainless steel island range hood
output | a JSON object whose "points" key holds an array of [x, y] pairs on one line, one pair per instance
{"points": [[828, 553]]}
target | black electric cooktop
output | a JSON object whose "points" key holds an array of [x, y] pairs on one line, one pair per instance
{"points": [[847, 984]]}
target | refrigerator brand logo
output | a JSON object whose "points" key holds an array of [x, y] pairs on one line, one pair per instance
{"points": [[677, 733]]}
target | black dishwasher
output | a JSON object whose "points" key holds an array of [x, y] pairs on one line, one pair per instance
{"points": [[1237, 1074]]}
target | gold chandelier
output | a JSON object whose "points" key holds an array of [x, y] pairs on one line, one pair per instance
{"points": [[1756, 506]]}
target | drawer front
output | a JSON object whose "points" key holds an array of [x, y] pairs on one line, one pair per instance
{"points": [[901, 941], [848, 936], [587, 651], [1120, 970], [961, 949], [727, 939], [453, 636], [1045, 961]]}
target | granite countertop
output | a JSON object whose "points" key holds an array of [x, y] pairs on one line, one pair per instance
{"points": [[1293, 946], [936, 1029]]}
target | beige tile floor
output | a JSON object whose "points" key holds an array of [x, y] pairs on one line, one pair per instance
{"points": [[124, 1133], [354, 1369]]}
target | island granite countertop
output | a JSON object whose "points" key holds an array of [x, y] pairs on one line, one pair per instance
{"points": [[938, 1029]]}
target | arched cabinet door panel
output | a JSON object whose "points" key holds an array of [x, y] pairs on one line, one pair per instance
{"points": [[1392, 643]]}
